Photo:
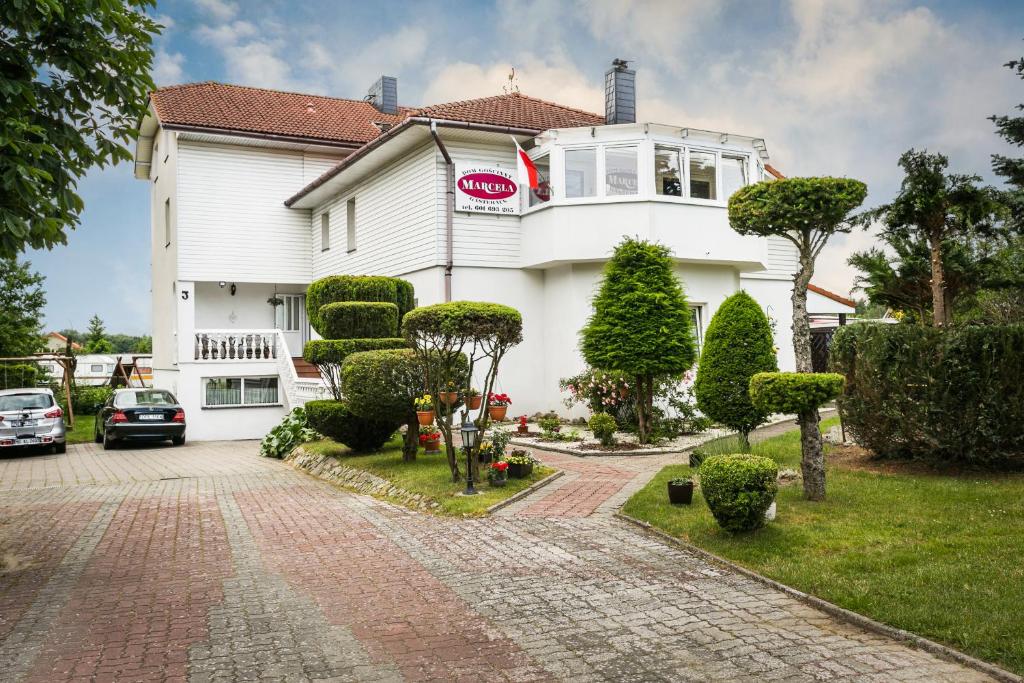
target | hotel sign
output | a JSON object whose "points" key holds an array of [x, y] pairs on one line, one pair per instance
{"points": [[484, 188]]}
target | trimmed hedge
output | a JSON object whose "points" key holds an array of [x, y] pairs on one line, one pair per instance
{"points": [[334, 420], [382, 383], [794, 392], [738, 345], [359, 320], [739, 489], [336, 288], [953, 395], [322, 351], [469, 319]]}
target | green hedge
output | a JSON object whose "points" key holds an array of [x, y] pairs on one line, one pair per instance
{"points": [[474, 319], [336, 288], [84, 399], [954, 395], [359, 320], [794, 392], [19, 376], [739, 489], [319, 351], [382, 383], [334, 420]]}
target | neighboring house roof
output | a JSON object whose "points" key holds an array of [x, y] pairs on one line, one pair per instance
{"points": [[832, 295], [514, 110], [63, 340], [774, 171], [220, 106]]}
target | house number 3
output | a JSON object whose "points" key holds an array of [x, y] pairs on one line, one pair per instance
{"points": [[184, 295]]}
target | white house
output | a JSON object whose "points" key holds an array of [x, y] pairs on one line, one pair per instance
{"points": [[256, 193]]}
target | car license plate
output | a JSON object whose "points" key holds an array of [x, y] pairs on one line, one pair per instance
{"points": [[25, 423], [151, 417]]}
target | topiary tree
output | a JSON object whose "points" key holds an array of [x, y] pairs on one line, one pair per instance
{"points": [[805, 211], [336, 288], [335, 420], [801, 393], [641, 323], [739, 489], [737, 346], [446, 335]]}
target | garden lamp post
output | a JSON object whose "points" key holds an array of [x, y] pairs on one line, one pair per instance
{"points": [[470, 439]]}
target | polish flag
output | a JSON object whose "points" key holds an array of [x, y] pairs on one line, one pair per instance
{"points": [[527, 170]]}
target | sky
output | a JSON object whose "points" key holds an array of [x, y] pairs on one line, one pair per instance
{"points": [[835, 87]]}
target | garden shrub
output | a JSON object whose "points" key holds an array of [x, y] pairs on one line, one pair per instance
{"points": [[794, 392], [84, 398], [739, 489], [359, 320], [603, 425], [335, 288], [738, 345], [292, 431], [19, 376], [465, 319], [336, 421], [944, 395], [319, 351]]}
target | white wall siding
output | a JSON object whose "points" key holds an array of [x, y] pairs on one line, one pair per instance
{"points": [[783, 259], [395, 222], [232, 221], [163, 256]]}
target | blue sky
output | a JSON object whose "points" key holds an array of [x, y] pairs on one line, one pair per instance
{"points": [[837, 87]]}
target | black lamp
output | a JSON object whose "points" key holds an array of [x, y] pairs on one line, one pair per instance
{"points": [[470, 440]]}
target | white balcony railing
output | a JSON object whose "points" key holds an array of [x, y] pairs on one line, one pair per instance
{"points": [[240, 345]]}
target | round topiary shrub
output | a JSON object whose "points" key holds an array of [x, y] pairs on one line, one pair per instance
{"points": [[336, 288], [794, 392], [334, 420], [359, 320], [603, 425], [739, 489]]}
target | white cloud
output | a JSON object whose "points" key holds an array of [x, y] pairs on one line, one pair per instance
{"points": [[221, 10], [168, 68], [249, 57], [560, 82]]}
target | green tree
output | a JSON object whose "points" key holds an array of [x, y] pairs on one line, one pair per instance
{"points": [[807, 212], [1011, 129], [21, 291], [935, 207], [96, 338], [74, 76], [738, 345], [641, 323], [144, 345]]}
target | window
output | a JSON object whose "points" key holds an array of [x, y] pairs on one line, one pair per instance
{"points": [[288, 316], [96, 368], [620, 176], [668, 171], [167, 222], [695, 328], [734, 174], [325, 231], [350, 224], [702, 175], [240, 391], [149, 397], [581, 172], [543, 192]]}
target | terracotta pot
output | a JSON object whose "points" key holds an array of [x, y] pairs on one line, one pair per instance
{"points": [[522, 429], [425, 417], [475, 401], [497, 413], [449, 397], [432, 445]]}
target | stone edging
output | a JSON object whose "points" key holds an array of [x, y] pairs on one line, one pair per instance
{"points": [[525, 492], [329, 469], [835, 610]]}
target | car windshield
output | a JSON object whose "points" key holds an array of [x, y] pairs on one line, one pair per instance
{"points": [[151, 397], [12, 402]]}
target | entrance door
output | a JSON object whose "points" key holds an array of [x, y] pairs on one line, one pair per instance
{"points": [[291, 319]]}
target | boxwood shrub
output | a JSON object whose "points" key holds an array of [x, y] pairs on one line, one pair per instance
{"points": [[739, 489], [794, 392], [335, 288], [603, 425], [953, 395], [359, 320], [334, 420], [323, 351]]}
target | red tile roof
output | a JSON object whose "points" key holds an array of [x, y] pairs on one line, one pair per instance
{"points": [[514, 110], [220, 106], [256, 110], [832, 295], [774, 171]]}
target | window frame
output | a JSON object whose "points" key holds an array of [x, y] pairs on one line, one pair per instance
{"points": [[325, 231], [167, 222], [350, 225], [242, 379]]}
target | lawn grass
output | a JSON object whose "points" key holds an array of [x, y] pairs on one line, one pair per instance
{"points": [[429, 476], [83, 431], [940, 556]]}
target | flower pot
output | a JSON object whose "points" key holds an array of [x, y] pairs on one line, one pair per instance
{"points": [[497, 413], [522, 429], [680, 494], [475, 401], [484, 458], [498, 482], [449, 397], [426, 417], [519, 471], [432, 445]]}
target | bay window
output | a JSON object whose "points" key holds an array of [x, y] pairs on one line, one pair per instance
{"points": [[668, 171], [734, 174], [224, 392], [620, 171], [581, 172], [702, 175], [543, 192]]}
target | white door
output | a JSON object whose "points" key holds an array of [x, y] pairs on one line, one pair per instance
{"points": [[291, 319]]}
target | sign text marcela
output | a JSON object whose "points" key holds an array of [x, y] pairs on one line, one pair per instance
{"points": [[485, 189]]}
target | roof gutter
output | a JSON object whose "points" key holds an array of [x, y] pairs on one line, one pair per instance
{"points": [[449, 210], [232, 132]]}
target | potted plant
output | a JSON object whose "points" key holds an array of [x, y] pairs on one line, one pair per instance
{"points": [[680, 491], [485, 452], [497, 475], [522, 428], [430, 439], [520, 464], [450, 396], [473, 398], [497, 406], [424, 409]]}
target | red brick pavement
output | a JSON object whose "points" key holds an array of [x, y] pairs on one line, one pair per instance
{"points": [[590, 482]]}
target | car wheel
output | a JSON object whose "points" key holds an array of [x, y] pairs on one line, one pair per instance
{"points": [[60, 448], [178, 440], [108, 443]]}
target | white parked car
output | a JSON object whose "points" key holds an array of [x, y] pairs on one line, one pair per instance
{"points": [[31, 417]]}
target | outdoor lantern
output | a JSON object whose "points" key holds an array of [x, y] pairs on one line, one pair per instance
{"points": [[470, 440]]}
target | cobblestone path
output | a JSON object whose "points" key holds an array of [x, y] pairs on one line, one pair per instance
{"points": [[209, 563]]}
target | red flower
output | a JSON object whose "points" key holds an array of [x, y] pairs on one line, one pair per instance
{"points": [[501, 465], [498, 399]]}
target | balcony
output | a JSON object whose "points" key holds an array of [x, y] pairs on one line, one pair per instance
{"points": [[236, 345]]}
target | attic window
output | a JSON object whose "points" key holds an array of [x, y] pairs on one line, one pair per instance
{"points": [[383, 126]]}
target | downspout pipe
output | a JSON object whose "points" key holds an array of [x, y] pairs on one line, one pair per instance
{"points": [[449, 210]]}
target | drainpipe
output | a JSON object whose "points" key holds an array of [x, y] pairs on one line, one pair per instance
{"points": [[449, 210]]}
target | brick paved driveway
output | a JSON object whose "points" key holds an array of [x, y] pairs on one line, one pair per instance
{"points": [[207, 562]]}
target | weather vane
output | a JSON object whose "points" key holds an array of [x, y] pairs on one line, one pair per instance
{"points": [[513, 85]]}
